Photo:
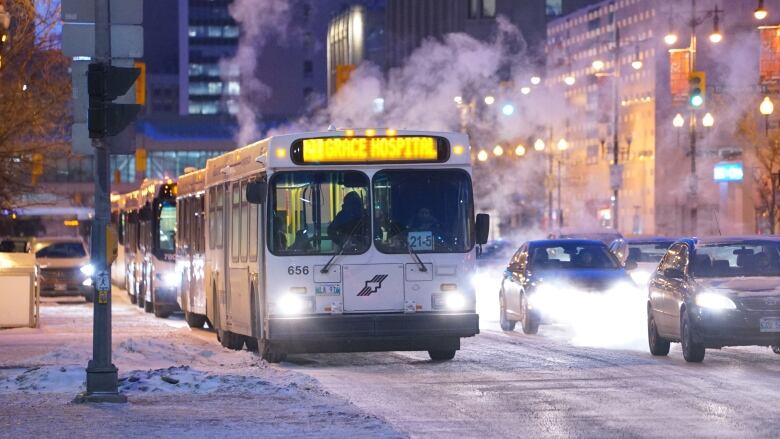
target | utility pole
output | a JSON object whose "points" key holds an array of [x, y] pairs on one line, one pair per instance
{"points": [[694, 186], [616, 130], [105, 120]]}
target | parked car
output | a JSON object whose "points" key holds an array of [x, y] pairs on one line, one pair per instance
{"points": [[646, 252], [715, 292], [541, 269], [65, 268]]}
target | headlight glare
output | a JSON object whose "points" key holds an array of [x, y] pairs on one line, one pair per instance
{"points": [[454, 301], [641, 277], [88, 270], [170, 278], [291, 304], [714, 301]]}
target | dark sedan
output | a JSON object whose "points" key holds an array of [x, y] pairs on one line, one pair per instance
{"points": [[541, 270], [711, 293]]}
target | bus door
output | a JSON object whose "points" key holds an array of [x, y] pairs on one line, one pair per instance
{"points": [[238, 303]]}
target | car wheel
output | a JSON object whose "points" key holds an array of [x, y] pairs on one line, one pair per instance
{"points": [[506, 324], [530, 322], [231, 340], [776, 349], [692, 352], [194, 320], [442, 355], [658, 346]]}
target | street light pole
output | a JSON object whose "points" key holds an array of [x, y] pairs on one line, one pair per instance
{"points": [[694, 185], [615, 127]]}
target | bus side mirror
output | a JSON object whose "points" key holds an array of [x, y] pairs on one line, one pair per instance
{"points": [[483, 228], [256, 192]]}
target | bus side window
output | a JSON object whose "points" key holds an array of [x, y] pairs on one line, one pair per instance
{"points": [[253, 229], [212, 219], [201, 224], [244, 222], [220, 217], [235, 225]]}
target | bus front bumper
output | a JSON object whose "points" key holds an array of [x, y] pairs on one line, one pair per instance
{"points": [[371, 332]]}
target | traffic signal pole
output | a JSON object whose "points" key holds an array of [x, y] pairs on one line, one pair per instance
{"points": [[102, 375]]}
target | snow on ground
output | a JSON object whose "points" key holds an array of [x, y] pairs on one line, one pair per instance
{"points": [[178, 381]]}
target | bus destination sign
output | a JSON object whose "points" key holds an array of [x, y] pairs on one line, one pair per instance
{"points": [[370, 150]]}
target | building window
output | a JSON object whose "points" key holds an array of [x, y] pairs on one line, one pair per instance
{"points": [[230, 32], [474, 8], [233, 88], [488, 8]]}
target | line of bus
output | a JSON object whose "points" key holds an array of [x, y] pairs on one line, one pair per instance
{"points": [[332, 242]]}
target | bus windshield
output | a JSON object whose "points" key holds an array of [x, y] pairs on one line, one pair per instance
{"points": [[319, 213], [426, 211], [167, 220]]}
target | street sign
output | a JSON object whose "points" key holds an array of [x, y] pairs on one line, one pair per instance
{"points": [[122, 11], [616, 177], [78, 39]]}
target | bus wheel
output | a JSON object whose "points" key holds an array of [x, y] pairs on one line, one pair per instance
{"points": [[251, 344], [194, 320], [148, 306], [132, 298], [442, 355], [231, 340], [271, 355], [159, 312]]}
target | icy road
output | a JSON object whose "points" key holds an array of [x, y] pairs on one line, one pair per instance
{"points": [[499, 385]]}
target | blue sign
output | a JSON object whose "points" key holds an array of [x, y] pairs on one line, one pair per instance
{"points": [[728, 172]]}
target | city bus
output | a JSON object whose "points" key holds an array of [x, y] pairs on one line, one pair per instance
{"points": [[151, 249], [127, 225], [191, 246], [342, 241], [118, 217]]}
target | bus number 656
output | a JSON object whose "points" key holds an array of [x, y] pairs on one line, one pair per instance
{"points": [[297, 270]]}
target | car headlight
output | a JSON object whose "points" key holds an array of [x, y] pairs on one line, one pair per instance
{"points": [[641, 277], [714, 301], [88, 270], [291, 304], [454, 301]]}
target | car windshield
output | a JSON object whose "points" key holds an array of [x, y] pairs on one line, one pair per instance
{"points": [[737, 260], [571, 256], [167, 221], [648, 252], [427, 211], [319, 213], [62, 250]]}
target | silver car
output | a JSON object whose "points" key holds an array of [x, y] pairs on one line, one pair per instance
{"points": [[65, 268]]}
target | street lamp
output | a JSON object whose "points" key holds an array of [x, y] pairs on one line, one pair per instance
{"points": [[536, 80], [670, 38], [539, 145], [716, 37], [525, 90], [520, 150], [598, 65], [458, 100], [489, 100], [708, 120], [760, 13], [766, 108], [569, 80], [678, 121], [508, 110], [563, 145]]}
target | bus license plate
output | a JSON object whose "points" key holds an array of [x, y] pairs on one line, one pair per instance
{"points": [[328, 290], [770, 324]]}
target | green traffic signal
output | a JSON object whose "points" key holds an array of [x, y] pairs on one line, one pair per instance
{"points": [[697, 101]]}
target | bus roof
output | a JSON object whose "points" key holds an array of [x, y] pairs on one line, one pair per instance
{"points": [[192, 183], [276, 152]]}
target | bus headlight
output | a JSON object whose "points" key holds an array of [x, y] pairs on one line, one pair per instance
{"points": [[454, 301], [88, 270], [291, 304], [714, 301]]}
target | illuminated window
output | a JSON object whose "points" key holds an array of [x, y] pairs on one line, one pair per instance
{"points": [[488, 8]]}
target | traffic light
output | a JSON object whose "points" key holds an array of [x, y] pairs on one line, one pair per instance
{"points": [[105, 83], [697, 89]]}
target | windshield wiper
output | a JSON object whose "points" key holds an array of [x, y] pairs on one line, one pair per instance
{"points": [[415, 256], [325, 268]]}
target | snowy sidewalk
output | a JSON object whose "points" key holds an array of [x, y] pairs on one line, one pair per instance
{"points": [[180, 383]]}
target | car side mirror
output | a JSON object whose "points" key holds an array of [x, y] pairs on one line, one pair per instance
{"points": [[674, 273], [257, 192], [483, 228], [631, 265]]}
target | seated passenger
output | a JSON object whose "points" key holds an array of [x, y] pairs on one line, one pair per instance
{"points": [[347, 219]]}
